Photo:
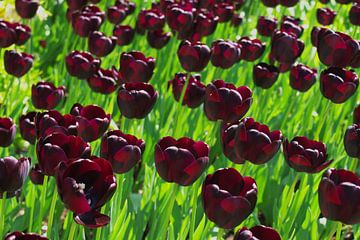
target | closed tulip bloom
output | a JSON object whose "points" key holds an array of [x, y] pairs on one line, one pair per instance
{"points": [[325, 16], [265, 75], [305, 155], [136, 100], [291, 28], [225, 53], [116, 14], [45, 95], [101, 45], [85, 186], [228, 133], [24, 236], [259, 232], [270, 3], [223, 101], [7, 34], [27, 127], [266, 26], [344, 1], [224, 11], [180, 17], [58, 147], [17, 64], [338, 84], [36, 175], [251, 49], [158, 39], [151, 19], [354, 14], [104, 81], [13, 173], [205, 23], [288, 3], [26, 8], [7, 131], [23, 33], [236, 20], [254, 142], [286, 48], [128, 5], [181, 161], [135, 67], [356, 115], [76, 4], [193, 56], [314, 35], [122, 150], [87, 20], [228, 198], [124, 35], [339, 196], [81, 64], [302, 78], [324, 1], [352, 141]]}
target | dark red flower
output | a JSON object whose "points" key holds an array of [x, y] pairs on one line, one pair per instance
{"points": [[255, 143], [124, 35], [305, 155], [354, 14], [324, 1], [36, 175], [104, 81], [44, 95], [257, 233], [151, 19], [224, 11], [24, 236], [52, 121], [129, 5], [228, 133], [236, 20], [180, 17], [228, 198], [205, 22], [122, 150], [325, 16], [26, 8], [270, 3], [16, 63], [251, 49], [356, 115], [181, 161], [352, 141], [344, 1], [291, 27], [7, 131], [85, 186], [265, 75], [13, 173], [193, 56], [288, 3], [338, 84], [266, 26], [302, 77], [136, 100], [81, 64], [87, 20], [158, 39], [76, 4], [7, 34], [223, 101], [101, 45], [339, 196], [225, 54], [314, 35], [286, 48], [135, 67], [58, 147], [116, 14], [27, 127], [92, 121]]}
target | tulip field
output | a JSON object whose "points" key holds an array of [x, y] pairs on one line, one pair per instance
{"points": [[180, 119]]}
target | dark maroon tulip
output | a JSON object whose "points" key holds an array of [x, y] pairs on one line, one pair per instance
{"points": [[151, 19], [285, 67], [116, 14], [24, 236], [257, 233], [356, 115], [124, 35], [85, 186], [338, 84], [314, 35], [228, 198], [354, 14], [92, 122], [225, 54], [58, 147], [352, 141], [265, 75], [266, 26], [305, 155], [355, 47], [27, 127], [291, 27], [122, 150], [325, 16], [16, 63], [286, 48], [23, 33], [135, 67], [251, 49], [181, 161], [7, 131], [206, 23], [81, 64], [7, 34], [52, 121], [302, 77], [236, 20], [288, 3], [13, 173], [104, 81], [26, 8], [44, 95], [324, 1], [223, 101], [224, 11], [36, 175], [228, 133], [270, 3], [339, 196], [344, 1], [180, 17], [158, 39], [101, 45], [136, 100], [76, 4], [255, 143], [193, 56], [195, 91], [87, 20], [129, 5]]}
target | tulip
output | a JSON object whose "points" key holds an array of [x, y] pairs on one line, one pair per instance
{"points": [[81, 64], [45, 95], [257, 233], [223, 101], [251, 49], [228, 133], [27, 127], [286, 48], [116, 14], [128, 5], [325, 16], [352, 141], [224, 11], [206, 23], [58, 147], [76, 4], [225, 53], [7, 131], [288, 3], [344, 1], [17, 64], [26, 8], [236, 20], [228, 198], [291, 27], [13, 174], [24, 236], [324, 1], [36, 175], [181, 161], [122, 150], [193, 56], [354, 14], [87, 20], [101, 45], [151, 19], [124, 35], [356, 115], [270, 3], [135, 67], [7, 33], [314, 36], [158, 39], [305, 155], [23, 33], [338, 84], [104, 81], [84, 186], [136, 100], [255, 143], [302, 77], [266, 26], [339, 196], [179, 17], [265, 75]]}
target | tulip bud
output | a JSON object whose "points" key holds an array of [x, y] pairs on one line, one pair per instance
{"points": [[45, 95], [24, 236], [257, 233], [224, 11], [17, 64], [352, 141], [135, 67], [286, 48], [225, 53], [7, 131], [104, 81], [325, 16], [151, 19], [206, 23], [87, 20], [124, 35], [251, 49], [81, 64], [27, 127], [116, 14], [101, 45], [158, 39], [179, 17], [266, 26], [193, 56], [270, 3], [76, 4], [302, 77], [36, 175], [356, 115], [26, 8], [265, 75], [354, 14]]}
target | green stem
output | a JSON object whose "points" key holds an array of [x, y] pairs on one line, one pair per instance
{"points": [[220, 234], [176, 128], [51, 215], [193, 209], [338, 231], [72, 230], [43, 199], [3, 215], [32, 204]]}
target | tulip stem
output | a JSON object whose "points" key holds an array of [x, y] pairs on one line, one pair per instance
{"points": [[176, 127], [3, 214], [51, 215], [193, 209], [338, 231], [220, 234], [32, 204], [43, 199], [72, 230]]}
